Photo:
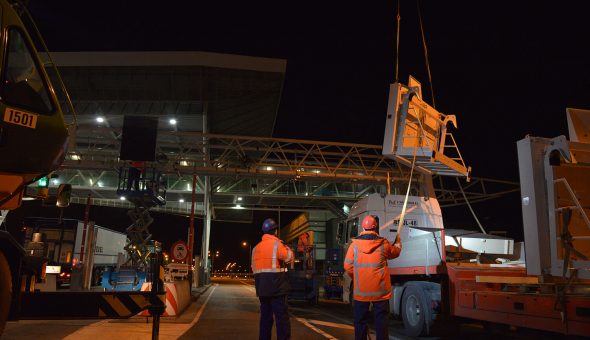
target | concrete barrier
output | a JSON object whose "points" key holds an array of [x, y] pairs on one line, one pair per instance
{"points": [[183, 294], [177, 297]]}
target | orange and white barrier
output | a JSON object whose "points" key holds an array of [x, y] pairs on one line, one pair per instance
{"points": [[177, 297]]}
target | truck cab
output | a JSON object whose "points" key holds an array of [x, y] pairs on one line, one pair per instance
{"points": [[421, 236]]}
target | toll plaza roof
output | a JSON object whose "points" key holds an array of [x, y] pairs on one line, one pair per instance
{"points": [[239, 94]]}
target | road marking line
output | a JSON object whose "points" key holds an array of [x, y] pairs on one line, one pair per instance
{"points": [[331, 315], [315, 329], [198, 316], [330, 324], [80, 331], [346, 322], [178, 330], [248, 286]]}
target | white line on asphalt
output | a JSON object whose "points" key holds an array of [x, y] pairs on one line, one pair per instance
{"points": [[315, 329], [77, 334], [332, 316], [248, 286], [391, 337], [308, 322], [330, 324], [198, 316]]}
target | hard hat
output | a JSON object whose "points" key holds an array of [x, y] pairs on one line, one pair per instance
{"points": [[269, 224], [369, 222]]}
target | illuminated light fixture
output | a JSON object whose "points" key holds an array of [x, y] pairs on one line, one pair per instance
{"points": [[75, 157], [239, 198], [100, 119], [239, 206], [122, 198], [100, 184], [55, 181], [316, 171], [181, 200], [188, 187], [183, 163], [91, 182], [346, 209], [269, 168], [172, 121]]}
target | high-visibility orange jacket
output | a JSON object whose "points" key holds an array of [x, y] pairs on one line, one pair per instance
{"points": [[366, 263], [269, 258], [138, 165], [303, 242]]}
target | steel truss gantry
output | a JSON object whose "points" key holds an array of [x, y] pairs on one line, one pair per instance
{"points": [[261, 172]]}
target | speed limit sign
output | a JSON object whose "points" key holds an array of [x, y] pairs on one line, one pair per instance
{"points": [[179, 251]]}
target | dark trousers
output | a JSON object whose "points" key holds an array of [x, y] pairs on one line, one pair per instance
{"points": [[361, 319], [276, 305]]}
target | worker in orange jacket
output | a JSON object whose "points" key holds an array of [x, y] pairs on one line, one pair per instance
{"points": [[366, 263], [136, 168], [269, 259]]}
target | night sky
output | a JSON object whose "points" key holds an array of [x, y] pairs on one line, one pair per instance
{"points": [[505, 68]]}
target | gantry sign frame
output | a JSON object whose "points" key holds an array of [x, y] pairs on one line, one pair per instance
{"points": [[263, 173]]}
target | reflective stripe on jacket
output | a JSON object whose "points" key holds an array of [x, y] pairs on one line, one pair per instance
{"points": [[366, 262], [268, 260]]}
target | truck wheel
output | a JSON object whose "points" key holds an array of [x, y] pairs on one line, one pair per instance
{"points": [[414, 311], [5, 291]]}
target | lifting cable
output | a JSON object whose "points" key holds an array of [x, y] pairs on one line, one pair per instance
{"points": [[426, 54], [403, 214], [434, 106], [469, 205], [397, 43]]}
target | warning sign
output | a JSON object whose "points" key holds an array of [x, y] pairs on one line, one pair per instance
{"points": [[179, 251]]}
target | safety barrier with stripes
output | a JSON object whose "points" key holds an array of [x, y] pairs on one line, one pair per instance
{"points": [[177, 297], [126, 305], [79, 305]]}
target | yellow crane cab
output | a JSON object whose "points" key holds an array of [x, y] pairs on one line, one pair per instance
{"points": [[33, 133]]}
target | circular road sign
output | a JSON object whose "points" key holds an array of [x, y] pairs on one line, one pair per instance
{"points": [[179, 251]]}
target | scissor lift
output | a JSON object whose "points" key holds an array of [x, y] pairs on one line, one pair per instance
{"points": [[145, 192]]}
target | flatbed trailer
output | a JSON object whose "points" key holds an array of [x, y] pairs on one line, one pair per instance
{"points": [[510, 296], [441, 273]]}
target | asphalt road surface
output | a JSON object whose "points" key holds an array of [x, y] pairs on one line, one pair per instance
{"points": [[229, 309]]}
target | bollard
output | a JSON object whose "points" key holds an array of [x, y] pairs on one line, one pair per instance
{"points": [[157, 307]]}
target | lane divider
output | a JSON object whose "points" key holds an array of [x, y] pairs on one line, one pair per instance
{"points": [[315, 329], [200, 312], [331, 324], [248, 286], [305, 321], [308, 322]]}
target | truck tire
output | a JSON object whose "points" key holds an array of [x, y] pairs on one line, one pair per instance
{"points": [[5, 291], [415, 311]]}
